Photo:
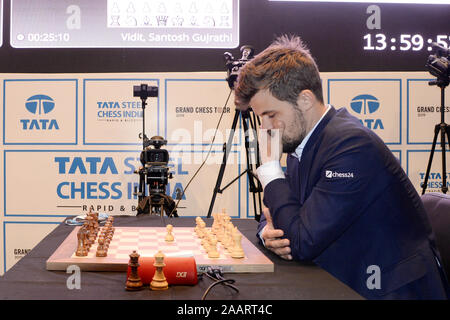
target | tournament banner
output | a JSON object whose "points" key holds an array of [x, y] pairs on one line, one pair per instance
{"points": [[40, 111], [113, 116], [19, 238], [377, 102], [424, 111], [75, 181], [193, 108], [416, 168]]}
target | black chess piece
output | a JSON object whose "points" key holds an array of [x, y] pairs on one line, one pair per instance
{"points": [[134, 282]]}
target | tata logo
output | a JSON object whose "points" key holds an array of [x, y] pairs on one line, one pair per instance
{"points": [[38, 105], [367, 104]]}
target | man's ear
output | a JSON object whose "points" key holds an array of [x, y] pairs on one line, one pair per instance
{"points": [[306, 100]]}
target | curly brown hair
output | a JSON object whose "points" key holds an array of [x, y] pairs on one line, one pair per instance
{"points": [[285, 68]]}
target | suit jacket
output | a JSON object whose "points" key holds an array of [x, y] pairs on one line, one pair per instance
{"points": [[349, 207]]}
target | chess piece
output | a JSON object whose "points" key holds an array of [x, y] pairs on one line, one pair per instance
{"points": [[101, 249], [206, 241], [96, 224], [85, 236], [228, 239], [169, 236], [202, 229], [214, 224], [224, 232], [159, 281], [134, 282], [237, 252], [197, 225], [213, 253], [81, 250]]}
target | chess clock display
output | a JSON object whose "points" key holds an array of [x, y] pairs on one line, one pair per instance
{"points": [[124, 24], [45, 37], [403, 42]]}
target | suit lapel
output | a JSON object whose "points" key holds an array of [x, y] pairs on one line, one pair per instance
{"points": [[309, 153]]}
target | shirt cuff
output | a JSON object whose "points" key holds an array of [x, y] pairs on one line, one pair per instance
{"points": [[260, 236], [269, 171]]}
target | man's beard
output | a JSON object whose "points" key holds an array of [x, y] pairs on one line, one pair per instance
{"points": [[290, 144]]}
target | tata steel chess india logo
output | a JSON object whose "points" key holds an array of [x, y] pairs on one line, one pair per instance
{"points": [[366, 104], [39, 105]]}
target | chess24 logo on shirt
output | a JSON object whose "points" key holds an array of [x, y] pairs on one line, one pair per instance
{"points": [[333, 174]]}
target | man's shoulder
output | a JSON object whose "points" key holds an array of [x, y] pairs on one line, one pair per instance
{"points": [[344, 126], [344, 132]]}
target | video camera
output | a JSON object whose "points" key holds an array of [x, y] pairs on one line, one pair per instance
{"points": [[145, 91], [234, 65], [438, 64], [155, 161]]}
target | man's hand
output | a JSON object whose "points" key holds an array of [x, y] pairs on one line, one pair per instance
{"points": [[272, 238], [270, 143]]}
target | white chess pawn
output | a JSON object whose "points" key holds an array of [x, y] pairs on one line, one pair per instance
{"points": [[214, 224], [197, 223], [202, 229], [228, 236], [237, 252], [212, 252], [169, 236]]}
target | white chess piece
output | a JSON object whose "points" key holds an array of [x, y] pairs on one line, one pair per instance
{"points": [[213, 253], [237, 252], [169, 236]]}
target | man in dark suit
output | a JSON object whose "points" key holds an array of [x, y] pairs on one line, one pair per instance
{"points": [[344, 203]]}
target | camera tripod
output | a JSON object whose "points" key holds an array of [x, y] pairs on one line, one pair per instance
{"points": [[444, 129], [154, 170], [254, 186]]}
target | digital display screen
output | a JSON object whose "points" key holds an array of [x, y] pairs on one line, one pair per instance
{"points": [[125, 23], [107, 35], [378, 1], [403, 42]]}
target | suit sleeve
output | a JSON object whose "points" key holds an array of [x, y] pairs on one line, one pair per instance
{"points": [[350, 178], [262, 221]]}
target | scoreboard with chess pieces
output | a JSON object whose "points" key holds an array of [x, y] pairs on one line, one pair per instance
{"points": [[108, 248]]}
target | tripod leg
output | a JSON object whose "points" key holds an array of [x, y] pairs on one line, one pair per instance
{"points": [[445, 131], [430, 160], [250, 177], [443, 148], [254, 187], [227, 149]]}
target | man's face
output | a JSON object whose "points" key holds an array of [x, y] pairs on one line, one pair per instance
{"points": [[275, 113]]}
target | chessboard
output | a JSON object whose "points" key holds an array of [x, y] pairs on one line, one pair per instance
{"points": [[147, 241]]}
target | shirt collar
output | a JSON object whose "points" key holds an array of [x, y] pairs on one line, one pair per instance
{"points": [[299, 150]]}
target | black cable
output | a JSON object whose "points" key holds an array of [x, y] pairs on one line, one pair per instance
{"points": [[227, 284], [216, 275], [207, 155]]}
